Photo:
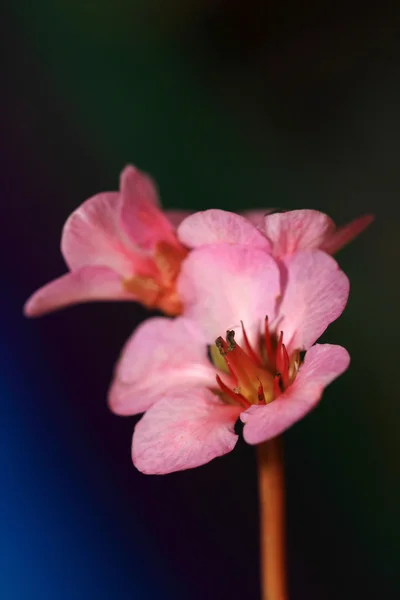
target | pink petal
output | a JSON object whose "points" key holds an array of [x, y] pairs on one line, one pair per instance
{"points": [[138, 185], [161, 355], [220, 285], [141, 218], [92, 237], [296, 230], [83, 285], [316, 294], [183, 431], [323, 364], [175, 217], [336, 240], [219, 226]]}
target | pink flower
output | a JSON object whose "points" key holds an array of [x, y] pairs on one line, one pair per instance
{"points": [[118, 246], [121, 246], [284, 233], [255, 370]]}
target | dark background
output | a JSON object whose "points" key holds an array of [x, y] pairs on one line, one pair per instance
{"points": [[227, 104]]}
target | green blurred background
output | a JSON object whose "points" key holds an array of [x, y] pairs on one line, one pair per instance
{"points": [[233, 105]]}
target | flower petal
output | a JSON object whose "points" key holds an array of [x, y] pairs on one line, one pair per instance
{"points": [[161, 355], [323, 363], [183, 431], [296, 230], [83, 285], [91, 236], [336, 240], [221, 285], [220, 226], [141, 218], [316, 294], [138, 185]]}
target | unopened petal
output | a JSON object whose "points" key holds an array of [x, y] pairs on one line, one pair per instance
{"points": [[323, 363], [183, 431], [336, 240], [139, 186], [220, 226], [221, 285], [297, 230], [315, 295], [83, 285], [161, 355], [141, 218]]}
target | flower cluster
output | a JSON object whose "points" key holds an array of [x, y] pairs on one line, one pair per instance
{"points": [[250, 295]]}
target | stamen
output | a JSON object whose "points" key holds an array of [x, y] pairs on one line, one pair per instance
{"points": [[239, 363], [268, 341], [257, 382], [277, 387], [285, 367], [232, 373], [221, 345], [245, 371], [249, 349], [237, 398], [230, 336], [279, 355], [260, 393]]}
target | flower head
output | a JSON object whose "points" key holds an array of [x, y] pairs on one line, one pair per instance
{"points": [[118, 246], [284, 232], [121, 246], [197, 375]]}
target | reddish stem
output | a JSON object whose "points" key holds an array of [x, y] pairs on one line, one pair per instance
{"points": [[272, 520]]}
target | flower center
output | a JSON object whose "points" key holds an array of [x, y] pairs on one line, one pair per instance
{"points": [[259, 377], [158, 289]]}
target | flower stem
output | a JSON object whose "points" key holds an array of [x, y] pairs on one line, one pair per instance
{"points": [[271, 487]]}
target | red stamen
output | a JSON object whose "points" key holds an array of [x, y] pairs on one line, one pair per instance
{"points": [[279, 355], [237, 398], [268, 342], [231, 371], [277, 387], [285, 367], [260, 393], [223, 348], [249, 349], [221, 345], [239, 363]]}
